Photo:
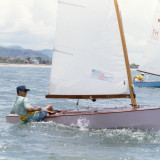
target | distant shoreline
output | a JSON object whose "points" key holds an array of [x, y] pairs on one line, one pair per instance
{"points": [[31, 65], [25, 65]]}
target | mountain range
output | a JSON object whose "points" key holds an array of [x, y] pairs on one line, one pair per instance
{"points": [[20, 52]]}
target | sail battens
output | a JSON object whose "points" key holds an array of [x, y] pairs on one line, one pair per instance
{"points": [[71, 4], [148, 73], [63, 52], [89, 96]]}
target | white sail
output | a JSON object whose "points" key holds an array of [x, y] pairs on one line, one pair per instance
{"points": [[88, 56], [151, 57]]}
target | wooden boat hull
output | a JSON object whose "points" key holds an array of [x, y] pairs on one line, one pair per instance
{"points": [[147, 84], [140, 118]]}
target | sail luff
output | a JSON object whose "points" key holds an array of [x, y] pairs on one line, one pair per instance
{"points": [[131, 89]]}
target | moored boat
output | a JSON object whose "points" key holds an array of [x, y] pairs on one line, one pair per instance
{"points": [[150, 60]]}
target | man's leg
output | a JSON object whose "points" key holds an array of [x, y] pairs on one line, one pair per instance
{"points": [[49, 108]]}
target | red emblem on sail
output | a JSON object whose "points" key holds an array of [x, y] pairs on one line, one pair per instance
{"points": [[155, 34], [159, 20]]}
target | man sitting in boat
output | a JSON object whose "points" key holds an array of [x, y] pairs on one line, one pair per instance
{"points": [[139, 78], [25, 111]]}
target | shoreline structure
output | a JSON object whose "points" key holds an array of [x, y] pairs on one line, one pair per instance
{"points": [[24, 65]]}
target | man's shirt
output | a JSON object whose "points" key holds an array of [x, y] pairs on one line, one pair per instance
{"points": [[139, 77], [20, 106]]}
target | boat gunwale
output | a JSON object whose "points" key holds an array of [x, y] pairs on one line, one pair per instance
{"points": [[100, 112], [64, 112]]}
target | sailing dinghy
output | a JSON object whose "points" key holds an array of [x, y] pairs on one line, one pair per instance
{"points": [[90, 61], [150, 63]]}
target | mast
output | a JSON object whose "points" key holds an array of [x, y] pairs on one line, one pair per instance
{"points": [[131, 89]]}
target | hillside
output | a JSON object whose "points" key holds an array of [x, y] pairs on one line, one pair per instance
{"points": [[47, 52], [19, 52]]}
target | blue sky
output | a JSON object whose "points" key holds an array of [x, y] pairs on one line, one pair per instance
{"points": [[31, 24]]}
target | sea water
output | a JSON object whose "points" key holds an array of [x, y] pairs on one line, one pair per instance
{"points": [[50, 141]]}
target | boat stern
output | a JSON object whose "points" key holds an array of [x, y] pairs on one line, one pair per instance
{"points": [[12, 118]]}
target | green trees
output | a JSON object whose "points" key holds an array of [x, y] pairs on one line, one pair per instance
{"points": [[27, 60], [3, 60], [43, 61], [39, 59]]}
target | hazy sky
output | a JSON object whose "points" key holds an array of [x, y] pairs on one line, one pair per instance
{"points": [[31, 23], [137, 21]]}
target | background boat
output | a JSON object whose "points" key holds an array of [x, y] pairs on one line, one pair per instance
{"points": [[150, 60]]}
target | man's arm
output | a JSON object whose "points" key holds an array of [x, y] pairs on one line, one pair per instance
{"points": [[12, 111], [29, 108]]}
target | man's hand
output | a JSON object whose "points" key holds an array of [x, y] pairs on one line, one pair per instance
{"points": [[38, 109]]}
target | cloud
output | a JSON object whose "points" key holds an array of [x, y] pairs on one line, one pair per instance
{"points": [[27, 22]]}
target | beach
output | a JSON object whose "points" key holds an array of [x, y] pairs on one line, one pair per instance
{"points": [[25, 65]]}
